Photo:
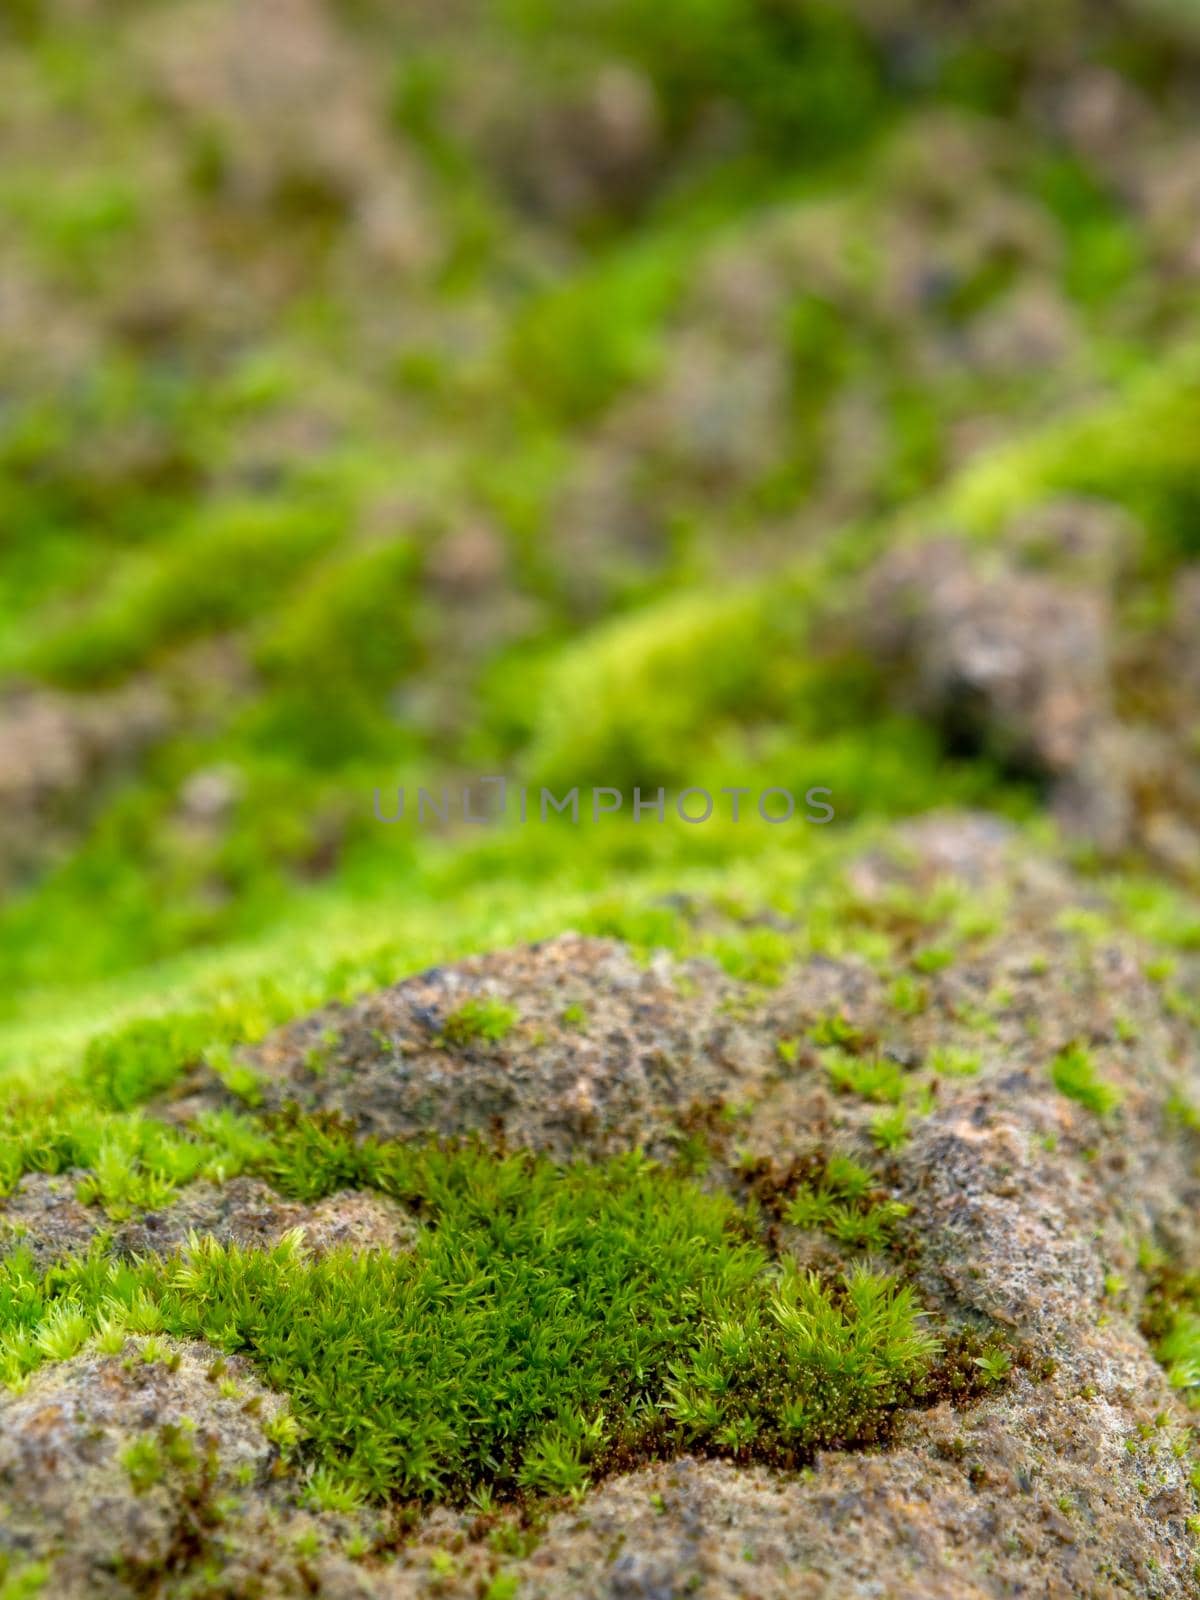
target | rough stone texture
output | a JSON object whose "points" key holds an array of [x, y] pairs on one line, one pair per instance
{"points": [[45, 1215], [620, 1078], [210, 68], [1068, 1479], [596, 148], [64, 1487], [1024, 655]]}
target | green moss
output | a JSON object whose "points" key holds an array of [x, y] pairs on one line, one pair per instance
{"points": [[573, 350], [1137, 450], [548, 1321], [995, 1365], [143, 1463], [908, 996], [486, 1019], [805, 79], [629, 705], [1074, 1074], [226, 567], [951, 1062], [75, 221], [22, 1580], [330, 660], [1183, 1111], [128, 1161], [872, 1078], [836, 1030], [160, 497], [845, 1202], [889, 1130], [1171, 1320]]}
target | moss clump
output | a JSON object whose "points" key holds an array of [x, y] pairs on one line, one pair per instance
{"points": [[24, 1581], [845, 1203], [871, 1077], [1137, 450], [1074, 1073], [1171, 1321], [128, 1160], [479, 1021], [948, 1061], [226, 567], [549, 1323]]}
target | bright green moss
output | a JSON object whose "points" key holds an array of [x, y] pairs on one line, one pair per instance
{"points": [[1139, 450], [575, 349], [330, 661], [1171, 1320], [629, 705], [487, 1019], [1183, 1111], [844, 1202], [1179, 1351], [889, 1130], [546, 1318], [755, 955], [225, 566], [24, 1580], [1074, 1074], [128, 1161], [995, 1365], [130, 1064], [908, 996], [949, 1061], [142, 1460], [872, 1078], [837, 1031]]}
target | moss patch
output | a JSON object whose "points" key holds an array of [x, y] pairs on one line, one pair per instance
{"points": [[550, 1323]]}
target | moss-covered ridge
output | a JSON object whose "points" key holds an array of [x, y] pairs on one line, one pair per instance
{"points": [[211, 506]]}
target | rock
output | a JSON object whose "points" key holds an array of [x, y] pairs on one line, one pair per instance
{"points": [[70, 1487], [619, 1078], [1073, 537], [209, 795], [44, 1215], [254, 109], [1007, 662], [590, 149]]}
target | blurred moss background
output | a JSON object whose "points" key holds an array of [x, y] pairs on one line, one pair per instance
{"points": [[396, 392]]}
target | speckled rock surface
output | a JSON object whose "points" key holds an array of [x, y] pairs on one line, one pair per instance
{"points": [[68, 1483], [620, 1076], [44, 1215]]}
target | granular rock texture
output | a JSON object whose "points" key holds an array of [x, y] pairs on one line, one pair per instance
{"points": [[73, 1487], [1014, 662], [603, 1054], [44, 1215]]}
